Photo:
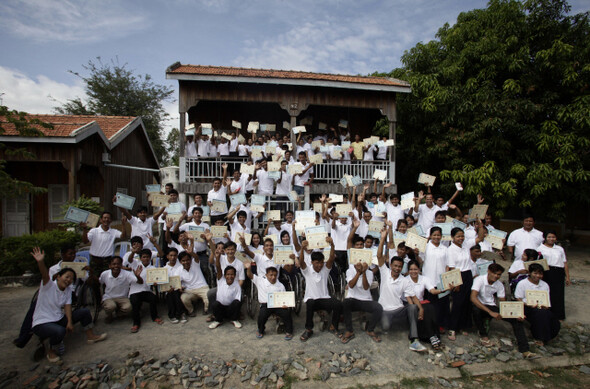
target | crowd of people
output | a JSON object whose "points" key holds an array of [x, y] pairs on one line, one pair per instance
{"points": [[214, 251]]}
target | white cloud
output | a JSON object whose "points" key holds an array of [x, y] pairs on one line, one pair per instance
{"points": [[69, 21], [35, 95]]}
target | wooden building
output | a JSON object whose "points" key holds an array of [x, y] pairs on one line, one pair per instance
{"points": [[218, 95], [92, 155]]}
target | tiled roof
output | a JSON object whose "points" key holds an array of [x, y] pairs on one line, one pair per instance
{"points": [[282, 74], [65, 125]]}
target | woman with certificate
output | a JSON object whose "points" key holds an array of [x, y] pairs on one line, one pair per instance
{"points": [[558, 275], [544, 324], [435, 264]]}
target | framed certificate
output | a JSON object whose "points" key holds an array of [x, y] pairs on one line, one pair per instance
{"points": [[317, 159], [482, 267], [296, 168], [218, 231], [219, 206], [92, 220], [497, 243], [298, 129], [512, 309], [76, 215], [173, 283], [206, 210], [247, 237], [407, 200], [240, 256], [78, 267], [316, 144], [459, 224], [542, 262], [258, 199], [256, 152], [283, 255], [253, 127], [381, 175], [236, 124], [426, 179], [539, 298], [281, 300], [247, 169], [155, 188], [335, 198], [270, 150], [124, 201], [316, 237], [359, 256], [175, 217], [196, 232], [257, 208], [156, 275], [174, 208], [272, 237], [375, 225], [416, 242], [343, 209], [274, 175], [237, 199], [159, 200], [478, 211], [451, 277], [274, 215], [317, 207]]}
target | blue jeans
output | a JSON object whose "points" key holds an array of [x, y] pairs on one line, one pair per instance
{"points": [[56, 331], [300, 190]]}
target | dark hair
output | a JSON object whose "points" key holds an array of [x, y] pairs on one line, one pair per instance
{"points": [[217, 179], [394, 196], [182, 255], [531, 254], [302, 153], [229, 244], [434, 229], [439, 196], [289, 212], [228, 268], [438, 213], [413, 262], [356, 239], [170, 249], [116, 257], [198, 209], [243, 213], [455, 231], [371, 237], [173, 191], [106, 213], [549, 232], [495, 267], [283, 233], [271, 268], [269, 240], [409, 216], [528, 215], [400, 222], [145, 252], [136, 239], [317, 256], [535, 267], [396, 258], [65, 270], [67, 247], [142, 209], [475, 247], [169, 184]]}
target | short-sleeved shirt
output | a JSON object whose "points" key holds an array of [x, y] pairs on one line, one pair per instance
{"points": [[116, 287], [426, 216], [460, 257], [302, 179], [236, 264], [228, 293], [521, 240], [316, 283], [221, 194], [555, 255], [136, 287], [423, 283], [263, 262], [435, 261], [102, 243], [192, 278], [340, 235], [142, 229], [359, 292], [392, 290], [265, 287], [517, 265], [50, 303], [526, 284], [486, 291], [265, 183]]}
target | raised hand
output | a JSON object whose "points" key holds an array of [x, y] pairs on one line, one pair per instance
{"points": [[138, 270], [38, 254]]}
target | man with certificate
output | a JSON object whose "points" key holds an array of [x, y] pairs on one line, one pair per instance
{"points": [[102, 242], [142, 225], [218, 193], [484, 308], [306, 175]]}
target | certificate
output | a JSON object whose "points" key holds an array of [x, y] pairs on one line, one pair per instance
{"points": [[286, 125], [298, 129], [78, 267], [482, 267], [343, 123], [317, 159], [270, 150], [407, 200], [257, 208], [283, 255], [253, 127], [398, 238], [207, 131], [124, 201], [446, 229], [281, 300], [335, 198], [218, 231], [316, 144], [416, 242], [322, 126], [273, 166], [274, 175], [478, 211], [274, 215], [173, 283], [206, 125], [271, 127], [317, 207], [417, 229], [316, 237], [196, 232], [243, 257], [426, 179], [356, 181], [346, 181], [238, 198], [324, 149], [156, 275], [299, 215], [247, 169], [499, 233], [539, 298], [174, 208], [375, 225], [439, 286], [247, 237], [206, 210], [159, 200], [496, 242], [175, 217], [343, 209], [491, 256], [236, 124], [226, 136], [272, 237], [542, 262], [512, 309], [449, 219], [336, 152], [257, 199], [389, 142], [451, 277], [459, 224], [155, 188], [256, 152], [296, 168], [76, 215], [219, 206], [380, 174], [293, 196], [360, 256], [92, 220]]}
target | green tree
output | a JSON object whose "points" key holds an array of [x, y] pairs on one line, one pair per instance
{"points": [[25, 126], [501, 102], [112, 89], [172, 150]]}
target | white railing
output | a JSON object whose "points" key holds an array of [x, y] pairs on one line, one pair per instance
{"points": [[196, 170]]}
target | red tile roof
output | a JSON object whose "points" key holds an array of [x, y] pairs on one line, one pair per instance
{"points": [[178, 68], [65, 125]]}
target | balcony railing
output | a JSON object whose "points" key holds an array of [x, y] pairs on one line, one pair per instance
{"points": [[330, 172]]}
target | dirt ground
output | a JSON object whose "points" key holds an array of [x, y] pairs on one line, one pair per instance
{"points": [[194, 338]]}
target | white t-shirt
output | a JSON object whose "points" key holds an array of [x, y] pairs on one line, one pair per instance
{"points": [[136, 287], [233, 145], [424, 283], [394, 213], [243, 150], [284, 187], [486, 290], [50, 303], [460, 257], [236, 264], [142, 229], [228, 293], [426, 216], [555, 255], [340, 235], [190, 150], [359, 292], [368, 156], [392, 290], [116, 287], [203, 148], [239, 186], [192, 278], [223, 149], [265, 287], [522, 240], [221, 194], [526, 284], [435, 261], [316, 284], [262, 262], [265, 184], [173, 270], [136, 260], [517, 265], [302, 179], [102, 243]]}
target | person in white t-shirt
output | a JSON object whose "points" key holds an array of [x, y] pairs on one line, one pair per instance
{"points": [[425, 212], [239, 183], [228, 299], [261, 176], [116, 288], [140, 292], [526, 237], [558, 275], [316, 289], [305, 177], [194, 285], [102, 241], [219, 193], [484, 308], [173, 302], [142, 225]]}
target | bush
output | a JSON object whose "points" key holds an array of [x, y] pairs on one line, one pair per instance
{"points": [[15, 252]]}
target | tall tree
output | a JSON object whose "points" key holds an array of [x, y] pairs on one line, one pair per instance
{"points": [[112, 89], [501, 101], [172, 151]]}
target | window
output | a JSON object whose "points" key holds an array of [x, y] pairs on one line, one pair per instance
{"points": [[58, 196]]}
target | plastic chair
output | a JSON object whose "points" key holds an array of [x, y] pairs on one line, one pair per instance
{"points": [[123, 248], [83, 254]]}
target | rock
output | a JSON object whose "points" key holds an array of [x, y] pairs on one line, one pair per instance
{"points": [[557, 351], [67, 385], [246, 376], [444, 383], [280, 383], [585, 369], [457, 363], [279, 372], [459, 351], [156, 365], [133, 354], [301, 375], [172, 372], [355, 371], [297, 366], [265, 370], [325, 375], [334, 369], [506, 341], [361, 363], [503, 357], [300, 352], [192, 374], [211, 381], [272, 377]]}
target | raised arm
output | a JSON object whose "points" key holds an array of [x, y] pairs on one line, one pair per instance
{"points": [[332, 253], [247, 250], [218, 268], [39, 256], [355, 225], [301, 258], [224, 179], [380, 256]]}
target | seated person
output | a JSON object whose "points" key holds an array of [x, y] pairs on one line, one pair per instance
{"points": [[49, 321], [517, 272], [140, 292], [228, 300], [194, 285], [484, 308], [175, 307], [116, 288]]}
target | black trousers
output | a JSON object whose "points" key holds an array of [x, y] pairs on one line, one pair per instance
{"points": [[137, 299], [331, 304], [230, 312], [351, 305], [461, 308], [555, 277], [442, 308], [428, 326], [544, 325], [283, 313], [175, 305], [482, 321]]}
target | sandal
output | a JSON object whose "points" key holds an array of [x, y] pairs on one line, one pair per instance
{"points": [[374, 336], [306, 335], [134, 329], [347, 337], [158, 321], [452, 335], [288, 336], [259, 335], [336, 332], [210, 319]]}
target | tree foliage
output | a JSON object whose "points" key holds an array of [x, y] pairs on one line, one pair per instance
{"points": [[172, 151], [113, 89], [501, 102], [11, 187]]}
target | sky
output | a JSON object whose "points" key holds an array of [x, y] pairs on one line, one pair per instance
{"points": [[42, 40]]}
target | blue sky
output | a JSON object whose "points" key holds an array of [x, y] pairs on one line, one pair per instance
{"points": [[42, 39]]}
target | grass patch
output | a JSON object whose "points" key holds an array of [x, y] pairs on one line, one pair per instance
{"points": [[415, 382]]}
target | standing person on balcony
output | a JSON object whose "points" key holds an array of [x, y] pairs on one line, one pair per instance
{"points": [[357, 148], [305, 177], [102, 241], [219, 192], [335, 152], [190, 146], [213, 153], [223, 148], [203, 144], [234, 143], [284, 186], [369, 153]]}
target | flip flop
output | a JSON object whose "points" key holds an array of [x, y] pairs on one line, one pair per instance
{"points": [[374, 336], [288, 336], [305, 336], [452, 335], [134, 329], [159, 321], [259, 335], [345, 339]]}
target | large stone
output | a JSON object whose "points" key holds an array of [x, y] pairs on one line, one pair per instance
{"points": [[585, 369], [459, 351], [297, 365], [503, 357], [265, 370], [361, 363], [246, 376]]}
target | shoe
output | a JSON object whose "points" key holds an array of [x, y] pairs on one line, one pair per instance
{"points": [[259, 335], [55, 359], [158, 321], [288, 336], [452, 335], [183, 319], [134, 329], [237, 324], [417, 346], [174, 320], [530, 355], [214, 324], [100, 338]]}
